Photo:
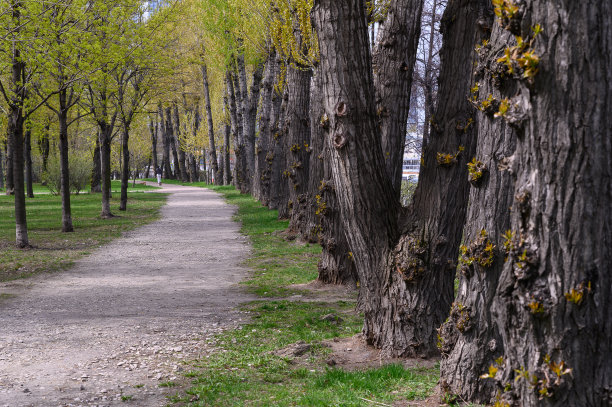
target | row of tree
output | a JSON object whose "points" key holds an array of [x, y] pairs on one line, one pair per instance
{"points": [[501, 261]]}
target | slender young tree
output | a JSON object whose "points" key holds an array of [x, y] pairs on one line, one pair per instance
{"points": [[210, 125]]}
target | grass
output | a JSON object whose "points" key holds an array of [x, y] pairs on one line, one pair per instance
{"points": [[53, 250], [40, 189], [247, 367]]}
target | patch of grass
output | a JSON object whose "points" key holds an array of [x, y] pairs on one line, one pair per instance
{"points": [[40, 189], [248, 367], [126, 398], [168, 384], [276, 262], [53, 250]]}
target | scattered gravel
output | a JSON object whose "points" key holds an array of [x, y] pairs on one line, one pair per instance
{"points": [[128, 317]]}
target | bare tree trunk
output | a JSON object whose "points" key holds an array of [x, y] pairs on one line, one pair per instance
{"points": [[553, 303], [393, 61], [274, 130], [15, 139], [105, 159], [400, 303], [125, 169], [367, 203], [261, 177], [250, 121], [227, 174], [239, 144], [28, 163], [96, 170], [163, 128], [64, 165], [279, 184], [214, 165], [2, 158], [297, 122], [43, 146], [153, 129], [10, 183], [179, 154], [336, 265]]}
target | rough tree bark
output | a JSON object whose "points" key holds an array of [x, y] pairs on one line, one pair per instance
{"points": [[279, 185], [250, 103], [28, 163], [10, 183], [211, 129], [178, 152], [366, 200], [163, 129], [15, 140], [469, 340], [125, 169], [153, 129], [402, 303], [261, 178], [227, 130], [64, 105], [239, 147], [553, 302], [44, 147], [2, 153], [335, 265], [105, 135], [274, 128], [297, 122], [393, 62], [96, 169]]}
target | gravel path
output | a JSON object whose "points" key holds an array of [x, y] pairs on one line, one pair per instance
{"points": [[123, 320]]}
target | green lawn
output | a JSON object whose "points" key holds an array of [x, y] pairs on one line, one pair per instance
{"points": [[247, 372], [53, 250], [40, 189]]}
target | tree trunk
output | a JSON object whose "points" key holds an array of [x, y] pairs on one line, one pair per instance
{"points": [[2, 153], [153, 129], [125, 169], [468, 340], [297, 122], [180, 169], [10, 183], [43, 146], [211, 129], [96, 171], [262, 149], [28, 163], [227, 174], [64, 164], [239, 147], [15, 138], [163, 128], [336, 265], [553, 302], [105, 160], [367, 203], [279, 184], [393, 61]]}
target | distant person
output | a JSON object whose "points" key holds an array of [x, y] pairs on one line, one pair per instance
{"points": [[158, 172]]}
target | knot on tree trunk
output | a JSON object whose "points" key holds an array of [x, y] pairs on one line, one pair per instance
{"points": [[410, 257], [340, 138]]}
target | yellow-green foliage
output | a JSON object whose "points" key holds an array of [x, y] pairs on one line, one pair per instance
{"points": [[292, 33]]}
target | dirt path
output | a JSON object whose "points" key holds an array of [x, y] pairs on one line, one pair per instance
{"points": [[122, 320]]}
